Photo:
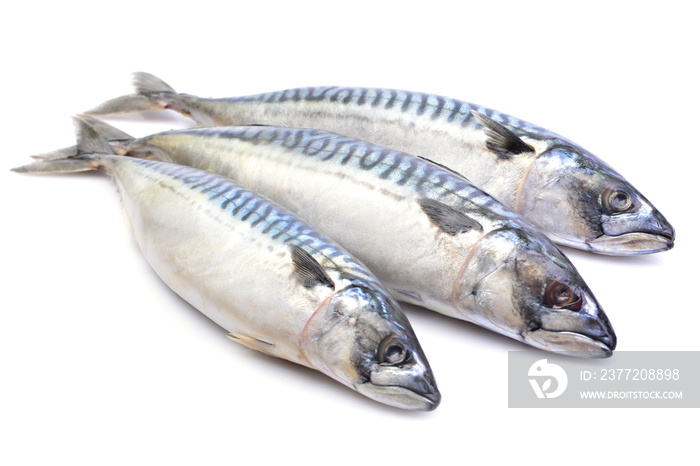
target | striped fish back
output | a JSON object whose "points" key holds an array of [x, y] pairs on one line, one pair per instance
{"points": [[425, 178], [417, 104], [267, 218]]}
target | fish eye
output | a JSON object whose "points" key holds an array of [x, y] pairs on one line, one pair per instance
{"points": [[616, 200], [560, 295], [393, 350]]}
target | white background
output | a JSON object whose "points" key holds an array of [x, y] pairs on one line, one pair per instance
{"points": [[101, 364]]}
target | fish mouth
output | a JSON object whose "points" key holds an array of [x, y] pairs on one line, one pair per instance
{"points": [[403, 397], [571, 344], [633, 243]]}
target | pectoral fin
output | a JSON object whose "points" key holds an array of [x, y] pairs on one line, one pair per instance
{"points": [[444, 167], [448, 219], [500, 140], [307, 270]]}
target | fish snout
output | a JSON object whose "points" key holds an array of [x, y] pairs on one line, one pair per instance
{"points": [[645, 231], [411, 386], [587, 335]]}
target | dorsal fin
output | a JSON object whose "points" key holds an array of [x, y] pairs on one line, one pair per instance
{"points": [[307, 270], [500, 140], [447, 218]]}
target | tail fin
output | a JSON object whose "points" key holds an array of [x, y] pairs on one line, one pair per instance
{"points": [[152, 93], [146, 83], [109, 133], [87, 154]]}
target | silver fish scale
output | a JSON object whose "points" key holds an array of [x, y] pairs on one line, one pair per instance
{"points": [[267, 217], [413, 103], [426, 178]]}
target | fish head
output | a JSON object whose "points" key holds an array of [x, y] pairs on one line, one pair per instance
{"points": [[361, 338], [581, 202], [519, 284]]}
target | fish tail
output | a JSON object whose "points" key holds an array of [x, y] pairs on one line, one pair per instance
{"points": [[116, 138], [86, 155], [152, 93]]}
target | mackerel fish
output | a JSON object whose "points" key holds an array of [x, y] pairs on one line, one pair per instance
{"points": [[574, 197], [274, 283], [429, 235]]}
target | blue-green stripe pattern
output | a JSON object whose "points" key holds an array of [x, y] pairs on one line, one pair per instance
{"points": [[422, 177], [269, 219], [414, 103]]}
